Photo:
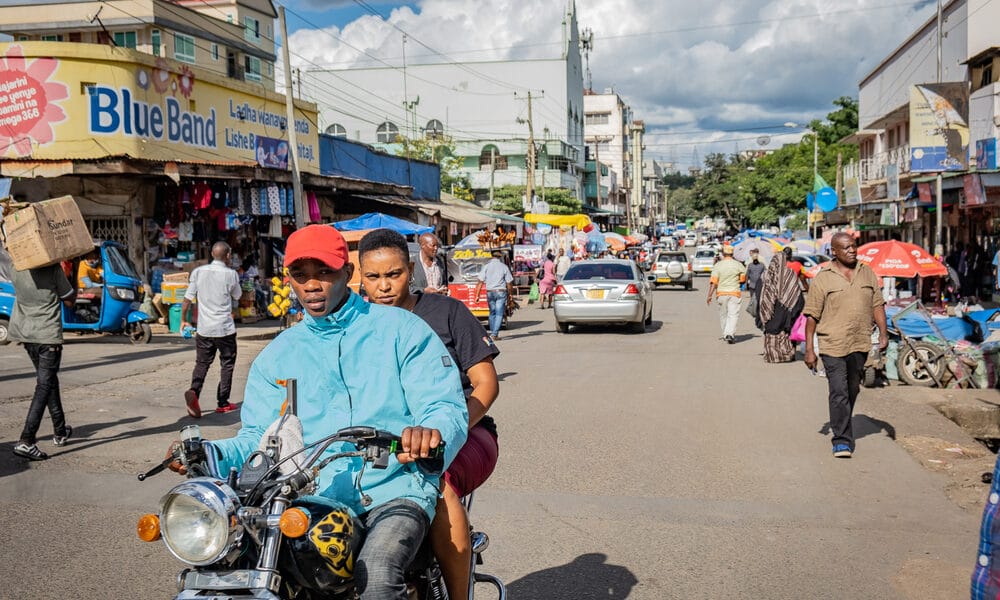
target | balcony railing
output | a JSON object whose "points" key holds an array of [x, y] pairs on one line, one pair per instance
{"points": [[873, 168]]}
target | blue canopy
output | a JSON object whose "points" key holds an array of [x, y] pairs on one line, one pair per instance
{"points": [[382, 221]]}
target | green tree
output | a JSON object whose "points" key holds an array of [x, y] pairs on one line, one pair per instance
{"points": [[508, 198], [443, 153]]}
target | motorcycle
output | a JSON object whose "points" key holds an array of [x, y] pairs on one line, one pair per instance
{"points": [[117, 310], [258, 534]]}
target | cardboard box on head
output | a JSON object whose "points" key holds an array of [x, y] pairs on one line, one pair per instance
{"points": [[45, 233]]}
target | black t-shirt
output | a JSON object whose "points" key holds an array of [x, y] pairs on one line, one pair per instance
{"points": [[461, 332]]}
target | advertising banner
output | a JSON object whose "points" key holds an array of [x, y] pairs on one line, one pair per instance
{"points": [[63, 101], [972, 186], [892, 181], [986, 153], [939, 127], [852, 191]]}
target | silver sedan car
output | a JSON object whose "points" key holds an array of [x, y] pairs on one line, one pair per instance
{"points": [[604, 291]]}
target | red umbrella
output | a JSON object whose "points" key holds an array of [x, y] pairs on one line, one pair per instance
{"points": [[899, 259]]}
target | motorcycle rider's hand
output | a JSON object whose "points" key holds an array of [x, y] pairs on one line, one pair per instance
{"points": [[417, 443], [174, 452]]}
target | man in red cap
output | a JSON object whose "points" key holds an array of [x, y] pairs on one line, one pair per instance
{"points": [[358, 364]]}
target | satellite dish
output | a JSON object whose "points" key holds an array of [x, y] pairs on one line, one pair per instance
{"points": [[764, 140]]}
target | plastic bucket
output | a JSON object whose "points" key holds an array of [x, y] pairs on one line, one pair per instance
{"points": [[175, 318]]}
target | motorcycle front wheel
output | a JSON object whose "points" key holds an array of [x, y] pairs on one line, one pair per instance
{"points": [[139, 333]]}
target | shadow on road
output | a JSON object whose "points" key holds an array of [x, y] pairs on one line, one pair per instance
{"points": [[863, 426], [82, 440], [514, 325], [588, 576], [108, 360], [504, 376]]}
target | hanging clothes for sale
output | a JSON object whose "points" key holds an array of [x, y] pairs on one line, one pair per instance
{"points": [[255, 201], [202, 196], [275, 229], [314, 214], [273, 199], [185, 231]]}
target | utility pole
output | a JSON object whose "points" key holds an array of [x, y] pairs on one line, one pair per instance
{"points": [[293, 142], [938, 185], [530, 183], [493, 170], [636, 130]]}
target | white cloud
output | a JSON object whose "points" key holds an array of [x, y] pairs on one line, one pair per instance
{"points": [[705, 68]]}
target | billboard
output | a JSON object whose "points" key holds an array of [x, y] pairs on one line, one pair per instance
{"points": [[986, 153], [939, 127], [62, 101]]}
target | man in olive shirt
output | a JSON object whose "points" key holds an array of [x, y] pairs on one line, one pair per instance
{"points": [[36, 322], [844, 299], [724, 286]]}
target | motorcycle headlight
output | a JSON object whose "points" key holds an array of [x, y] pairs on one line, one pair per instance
{"points": [[123, 294], [198, 521]]}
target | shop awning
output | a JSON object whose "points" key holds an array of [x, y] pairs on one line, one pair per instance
{"points": [[455, 214], [578, 221]]}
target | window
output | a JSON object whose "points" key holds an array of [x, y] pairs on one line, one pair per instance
{"points": [[125, 39], [215, 52], [597, 118], [51, 38], [252, 68], [598, 271], [337, 130], [184, 48], [22, 38], [270, 69], [387, 133], [155, 41], [492, 154], [434, 130], [229, 18], [987, 76], [251, 29], [76, 37]]}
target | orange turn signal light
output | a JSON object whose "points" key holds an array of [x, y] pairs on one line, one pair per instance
{"points": [[148, 528], [294, 523]]}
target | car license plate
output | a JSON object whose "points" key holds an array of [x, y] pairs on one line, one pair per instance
{"points": [[663, 280], [594, 294]]}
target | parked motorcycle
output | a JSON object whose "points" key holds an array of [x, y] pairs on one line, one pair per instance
{"points": [[258, 534]]}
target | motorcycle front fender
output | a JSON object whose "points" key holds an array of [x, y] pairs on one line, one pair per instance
{"points": [[137, 316]]}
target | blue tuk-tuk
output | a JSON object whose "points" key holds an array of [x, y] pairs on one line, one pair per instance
{"points": [[116, 311]]}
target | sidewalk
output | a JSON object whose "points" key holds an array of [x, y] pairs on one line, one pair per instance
{"points": [[265, 329]]}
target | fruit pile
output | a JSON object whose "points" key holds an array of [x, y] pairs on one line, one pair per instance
{"points": [[281, 303]]}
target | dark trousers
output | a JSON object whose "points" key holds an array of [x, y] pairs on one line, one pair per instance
{"points": [[843, 376], [46, 358], [206, 348]]}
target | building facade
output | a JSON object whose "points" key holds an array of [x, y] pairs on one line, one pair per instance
{"points": [[487, 110], [606, 130], [231, 38], [890, 190]]}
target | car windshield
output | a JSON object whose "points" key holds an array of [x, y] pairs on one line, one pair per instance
{"points": [[599, 271], [705, 254], [666, 258]]}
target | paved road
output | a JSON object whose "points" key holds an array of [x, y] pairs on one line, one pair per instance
{"points": [[662, 465]]}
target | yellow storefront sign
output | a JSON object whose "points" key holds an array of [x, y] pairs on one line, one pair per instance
{"points": [[86, 101]]}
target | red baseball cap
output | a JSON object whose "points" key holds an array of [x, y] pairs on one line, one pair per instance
{"points": [[320, 242]]}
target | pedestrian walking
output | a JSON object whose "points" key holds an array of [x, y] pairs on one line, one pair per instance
{"points": [[216, 288], [780, 304], [724, 286], [36, 322], [755, 270], [843, 302], [430, 275], [547, 279], [496, 277]]}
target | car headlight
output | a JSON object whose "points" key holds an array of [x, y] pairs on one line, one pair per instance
{"points": [[198, 521], [124, 294]]}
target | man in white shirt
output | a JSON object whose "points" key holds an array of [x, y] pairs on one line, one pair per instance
{"points": [[562, 264], [216, 288]]}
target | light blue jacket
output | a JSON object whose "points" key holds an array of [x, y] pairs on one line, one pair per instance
{"points": [[364, 364]]}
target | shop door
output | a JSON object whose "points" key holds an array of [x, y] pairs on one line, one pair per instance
{"points": [[109, 228]]}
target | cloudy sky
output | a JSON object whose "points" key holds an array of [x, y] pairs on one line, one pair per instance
{"points": [[705, 77]]}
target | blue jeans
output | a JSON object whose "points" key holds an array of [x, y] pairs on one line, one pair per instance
{"points": [[394, 532], [46, 358], [498, 306]]}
